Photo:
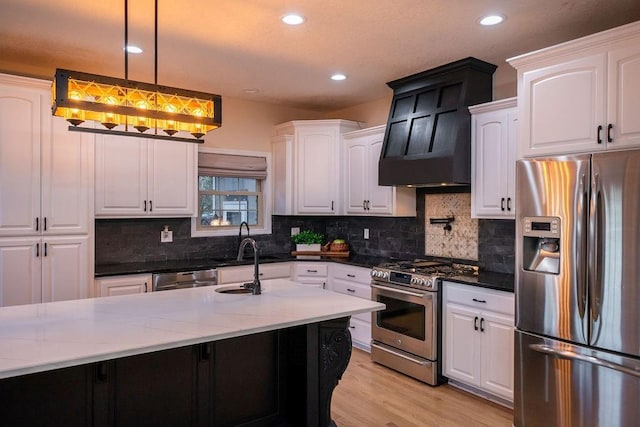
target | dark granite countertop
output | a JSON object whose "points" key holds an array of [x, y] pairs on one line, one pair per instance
{"points": [[103, 270], [487, 279]]}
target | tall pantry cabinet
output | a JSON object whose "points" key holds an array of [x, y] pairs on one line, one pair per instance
{"points": [[46, 199]]}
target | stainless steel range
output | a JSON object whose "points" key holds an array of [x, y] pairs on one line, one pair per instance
{"points": [[406, 334]]}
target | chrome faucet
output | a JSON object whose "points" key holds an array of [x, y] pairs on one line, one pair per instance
{"points": [[255, 287]]}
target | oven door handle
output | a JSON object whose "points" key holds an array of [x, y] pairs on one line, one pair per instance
{"points": [[395, 353], [400, 291]]}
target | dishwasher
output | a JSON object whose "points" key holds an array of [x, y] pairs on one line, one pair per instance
{"points": [[184, 279]]}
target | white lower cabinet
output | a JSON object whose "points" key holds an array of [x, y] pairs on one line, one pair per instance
{"points": [[478, 339], [35, 269], [355, 281], [244, 273], [311, 273], [123, 285]]}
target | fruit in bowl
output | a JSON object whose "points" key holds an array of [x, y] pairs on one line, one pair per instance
{"points": [[339, 245]]}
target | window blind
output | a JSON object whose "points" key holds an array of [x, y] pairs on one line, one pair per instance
{"points": [[212, 164]]}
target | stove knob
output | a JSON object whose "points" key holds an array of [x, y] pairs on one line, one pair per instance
{"points": [[385, 275]]}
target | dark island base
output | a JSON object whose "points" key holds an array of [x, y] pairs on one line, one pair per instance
{"points": [[279, 378]]}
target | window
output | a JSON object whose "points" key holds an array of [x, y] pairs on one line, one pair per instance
{"points": [[228, 201], [232, 187]]}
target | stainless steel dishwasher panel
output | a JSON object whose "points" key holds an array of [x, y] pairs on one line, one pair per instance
{"points": [[184, 279]]}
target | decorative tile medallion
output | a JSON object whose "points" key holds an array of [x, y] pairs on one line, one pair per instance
{"points": [[462, 241]]}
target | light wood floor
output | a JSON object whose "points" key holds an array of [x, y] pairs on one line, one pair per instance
{"points": [[373, 395]]}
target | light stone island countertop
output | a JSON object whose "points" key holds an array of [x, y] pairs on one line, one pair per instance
{"points": [[41, 337]]}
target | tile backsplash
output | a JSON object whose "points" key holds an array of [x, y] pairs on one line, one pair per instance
{"points": [[462, 241]]}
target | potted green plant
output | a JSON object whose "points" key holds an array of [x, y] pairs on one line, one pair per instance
{"points": [[307, 240]]}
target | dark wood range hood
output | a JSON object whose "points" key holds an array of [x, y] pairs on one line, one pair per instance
{"points": [[427, 142]]}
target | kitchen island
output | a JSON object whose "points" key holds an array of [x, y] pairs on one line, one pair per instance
{"points": [[183, 357]]}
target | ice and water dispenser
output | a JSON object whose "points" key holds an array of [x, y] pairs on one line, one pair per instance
{"points": [[541, 244]]}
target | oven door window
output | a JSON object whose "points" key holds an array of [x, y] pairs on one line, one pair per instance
{"points": [[403, 317]]}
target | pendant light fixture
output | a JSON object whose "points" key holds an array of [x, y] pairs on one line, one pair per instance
{"points": [[111, 101]]}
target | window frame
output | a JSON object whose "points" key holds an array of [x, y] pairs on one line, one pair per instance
{"points": [[266, 189]]}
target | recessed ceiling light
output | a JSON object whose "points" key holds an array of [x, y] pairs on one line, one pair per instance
{"points": [[250, 91], [293, 19], [338, 77], [133, 49], [491, 20]]}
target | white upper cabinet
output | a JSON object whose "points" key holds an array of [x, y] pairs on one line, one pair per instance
{"points": [[362, 194], [142, 177], [307, 166], [493, 157], [581, 96], [46, 178], [21, 113]]}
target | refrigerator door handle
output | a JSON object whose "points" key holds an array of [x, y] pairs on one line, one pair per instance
{"points": [[571, 355], [595, 264], [581, 243]]}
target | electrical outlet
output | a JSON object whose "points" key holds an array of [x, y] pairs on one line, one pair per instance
{"points": [[366, 234], [295, 230], [166, 236]]}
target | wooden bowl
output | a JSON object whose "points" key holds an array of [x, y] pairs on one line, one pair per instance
{"points": [[339, 247]]}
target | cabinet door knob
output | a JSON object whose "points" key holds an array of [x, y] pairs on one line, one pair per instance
{"points": [[475, 323], [609, 128], [600, 134]]}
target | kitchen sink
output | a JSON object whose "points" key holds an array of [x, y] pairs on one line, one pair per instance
{"points": [[234, 290]]}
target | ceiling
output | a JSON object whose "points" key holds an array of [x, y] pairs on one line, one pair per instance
{"points": [[231, 46]]}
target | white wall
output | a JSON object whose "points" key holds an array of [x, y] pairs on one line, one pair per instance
{"points": [[248, 125]]}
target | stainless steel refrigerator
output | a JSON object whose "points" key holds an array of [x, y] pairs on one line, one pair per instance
{"points": [[578, 291]]}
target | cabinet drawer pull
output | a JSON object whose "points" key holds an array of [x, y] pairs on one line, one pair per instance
{"points": [[482, 325], [480, 300], [332, 205], [37, 250], [145, 287], [45, 250], [364, 205], [368, 204], [509, 204], [351, 275], [351, 290], [312, 271], [352, 327], [150, 205], [475, 323], [45, 223], [502, 204], [145, 205], [600, 134], [37, 224], [609, 138]]}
